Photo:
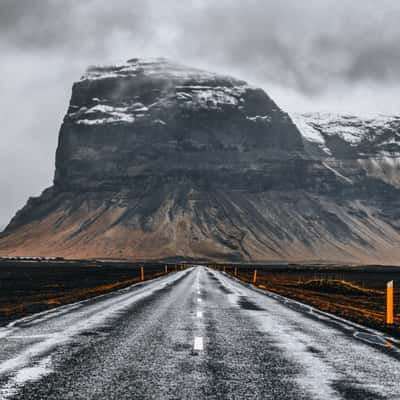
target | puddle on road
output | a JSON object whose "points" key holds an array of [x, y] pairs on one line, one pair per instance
{"points": [[178, 347], [225, 289], [314, 350], [373, 339], [247, 304], [350, 391], [303, 308], [90, 333]]}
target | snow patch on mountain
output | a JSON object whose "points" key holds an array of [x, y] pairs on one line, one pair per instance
{"points": [[101, 114], [209, 97], [260, 118], [309, 132], [183, 87], [379, 134]]}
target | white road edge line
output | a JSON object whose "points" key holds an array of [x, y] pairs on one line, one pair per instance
{"points": [[198, 343]]}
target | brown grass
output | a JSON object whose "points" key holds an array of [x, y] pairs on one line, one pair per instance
{"points": [[47, 300], [366, 306], [337, 287]]}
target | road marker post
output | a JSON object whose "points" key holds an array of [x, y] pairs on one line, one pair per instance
{"points": [[235, 272], [390, 303], [255, 276], [142, 273], [166, 269], [225, 268]]}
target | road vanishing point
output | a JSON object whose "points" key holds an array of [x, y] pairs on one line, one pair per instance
{"points": [[194, 334]]}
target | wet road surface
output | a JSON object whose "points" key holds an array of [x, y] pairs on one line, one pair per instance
{"points": [[195, 334]]}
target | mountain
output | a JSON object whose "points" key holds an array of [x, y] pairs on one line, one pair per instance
{"points": [[354, 145], [157, 160]]}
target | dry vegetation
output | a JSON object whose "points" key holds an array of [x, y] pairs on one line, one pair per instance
{"points": [[354, 293], [357, 294], [27, 288]]}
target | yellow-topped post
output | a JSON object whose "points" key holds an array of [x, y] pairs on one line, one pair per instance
{"points": [[142, 273], [255, 276], [390, 303]]}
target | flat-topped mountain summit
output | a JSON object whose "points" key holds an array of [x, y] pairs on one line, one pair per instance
{"points": [[156, 118], [157, 160]]}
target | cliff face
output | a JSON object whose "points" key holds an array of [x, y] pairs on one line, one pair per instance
{"points": [[155, 120], [157, 160]]}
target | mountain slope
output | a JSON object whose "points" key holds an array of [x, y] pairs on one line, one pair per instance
{"points": [[354, 145], [157, 160]]}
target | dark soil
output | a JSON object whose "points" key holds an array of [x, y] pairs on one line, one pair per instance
{"points": [[27, 287]]}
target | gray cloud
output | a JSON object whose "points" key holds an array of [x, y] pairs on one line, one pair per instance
{"points": [[69, 26], [308, 47], [309, 55], [287, 42]]}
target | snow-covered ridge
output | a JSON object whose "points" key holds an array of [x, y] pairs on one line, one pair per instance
{"points": [[184, 87], [102, 111], [155, 67], [145, 90], [377, 134], [309, 132]]}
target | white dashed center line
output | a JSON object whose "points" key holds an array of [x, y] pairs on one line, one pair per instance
{"points": [[199, 314], [198, 343], [199, 300]]}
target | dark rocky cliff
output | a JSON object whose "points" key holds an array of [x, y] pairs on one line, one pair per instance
{"points": [[157, 160], [160, 120]]}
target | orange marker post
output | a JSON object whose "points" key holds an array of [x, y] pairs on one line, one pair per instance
{"points": [[389, 303], [142, 273], [255, 276]]}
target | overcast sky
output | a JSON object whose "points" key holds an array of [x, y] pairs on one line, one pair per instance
{"points": [[313, 55]]}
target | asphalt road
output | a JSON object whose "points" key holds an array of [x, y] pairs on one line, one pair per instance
{"points": [[195, 334]]}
